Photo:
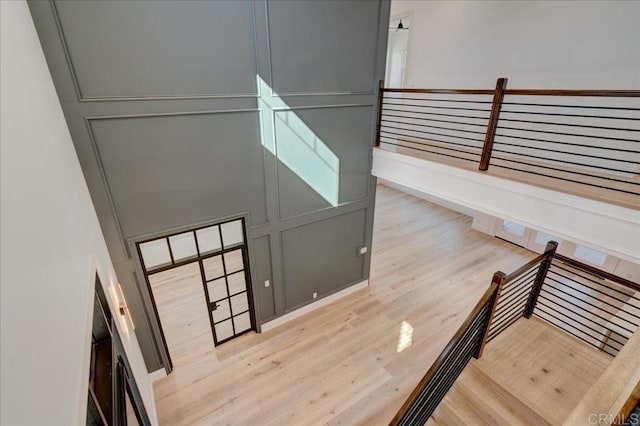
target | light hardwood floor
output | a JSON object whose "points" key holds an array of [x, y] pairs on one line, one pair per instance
{"points": [[182, 309], [340, 364], [546, 365]]}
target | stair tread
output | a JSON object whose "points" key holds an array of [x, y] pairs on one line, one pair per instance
{"points": [[517, 404], [548, 366], [478, 399], [452, 411]]}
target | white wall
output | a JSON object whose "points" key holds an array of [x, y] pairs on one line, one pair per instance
{"points": [[51, 245], [536, 44]]}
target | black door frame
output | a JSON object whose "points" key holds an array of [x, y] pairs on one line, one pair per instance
{"points": [[135, 244]]}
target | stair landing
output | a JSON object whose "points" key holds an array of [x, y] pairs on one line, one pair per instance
{"points": [[532, 374]]}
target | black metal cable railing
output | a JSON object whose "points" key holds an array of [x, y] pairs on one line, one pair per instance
{"points": [[466, 344], [596, 307], [512, 301], [517, 291], [600, 310], [429, 123], [544, 137], [551, 141]]}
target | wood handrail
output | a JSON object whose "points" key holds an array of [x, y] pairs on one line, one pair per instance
{"points": [[565, 92], [515, 274], [498, 279], [522, 92], [488, 295], [597, 272], [541, 276], [440, 91]]}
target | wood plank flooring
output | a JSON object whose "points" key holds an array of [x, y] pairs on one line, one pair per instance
{"points": [[182, 309], [341, 364], [544, 365]]}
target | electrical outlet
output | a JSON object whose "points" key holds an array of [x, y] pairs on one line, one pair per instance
{"points": [[315, 294], [267, 283], [363, 250]]}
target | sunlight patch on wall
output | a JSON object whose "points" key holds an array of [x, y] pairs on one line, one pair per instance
{"points": [[406, 336], [297, 146]]}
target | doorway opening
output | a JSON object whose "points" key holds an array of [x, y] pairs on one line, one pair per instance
{"points": [[200, 283], [397, 45]]}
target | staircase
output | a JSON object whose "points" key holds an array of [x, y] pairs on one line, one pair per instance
{"points": [[533, 374], [476, 398], [549, 360]]}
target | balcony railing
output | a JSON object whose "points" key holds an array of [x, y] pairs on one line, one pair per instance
{"points": [[584, 142]]}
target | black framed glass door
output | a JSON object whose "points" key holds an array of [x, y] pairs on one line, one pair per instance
{"points": [[222, 257]]}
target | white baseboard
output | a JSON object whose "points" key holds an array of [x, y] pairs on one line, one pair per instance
{"points": [[270, 325], [157, 375]]}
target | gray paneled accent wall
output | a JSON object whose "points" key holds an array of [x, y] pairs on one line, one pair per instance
{"points": [[199, 165], [184, 113]]}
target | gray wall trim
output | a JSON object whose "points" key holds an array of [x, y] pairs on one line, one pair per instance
{"points": [[300, 223], [105, 182], [281, 294], [258, 282], [132, 241], [296, 94], [149, 312], [166, 98], [65, 49], [303, 107], [171, 114], [294, 222], [338, 210], [257, 310]]}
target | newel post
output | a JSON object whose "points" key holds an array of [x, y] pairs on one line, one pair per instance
{"points": [[496, 106], [545, 264], [379, 117], [498, 279]]}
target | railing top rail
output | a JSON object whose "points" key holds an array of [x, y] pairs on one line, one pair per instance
{"points": [[565, 92], [441, 91], [597, 272], [524, 92], [524, 268], [486, 297]]}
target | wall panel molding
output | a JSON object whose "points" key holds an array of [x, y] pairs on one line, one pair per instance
{"points": [[371, 87], [130, 228], [90, 108], [323, 151], [331, 247], [82, 97]]}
